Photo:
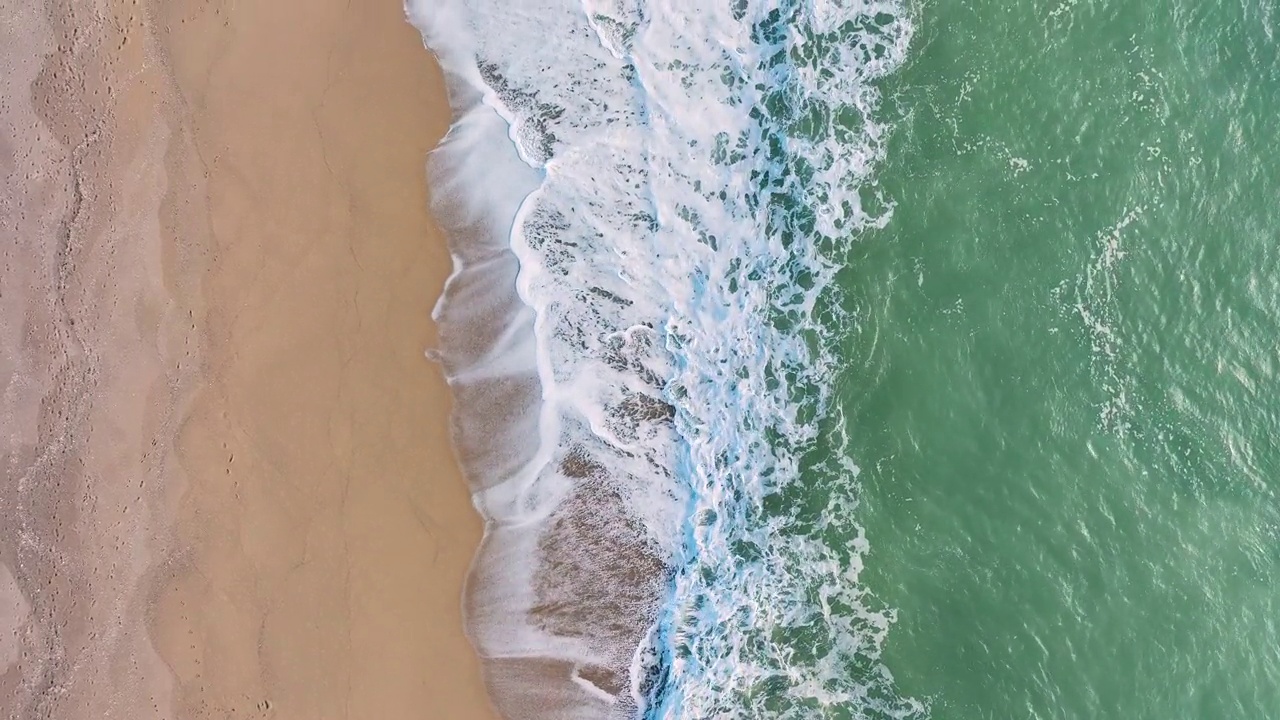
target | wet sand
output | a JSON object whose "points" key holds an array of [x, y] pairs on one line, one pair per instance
{"points": [[229, 489]]}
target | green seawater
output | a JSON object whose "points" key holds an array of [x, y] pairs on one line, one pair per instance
{"points": [[1061, 389]]}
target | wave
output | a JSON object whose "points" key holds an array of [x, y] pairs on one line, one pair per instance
{"points": [[647, 203]]}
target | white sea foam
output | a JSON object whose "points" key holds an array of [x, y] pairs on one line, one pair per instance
{"points": [[646, 204]]}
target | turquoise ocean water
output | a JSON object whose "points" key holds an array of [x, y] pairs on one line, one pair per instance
{"points": [[842, 359], [1062, 386]]}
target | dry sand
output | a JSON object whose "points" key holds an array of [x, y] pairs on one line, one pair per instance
{"points": [[220, 435], [93, 341]]}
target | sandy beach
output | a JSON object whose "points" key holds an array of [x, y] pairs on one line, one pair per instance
{"points": [[229, 486]]}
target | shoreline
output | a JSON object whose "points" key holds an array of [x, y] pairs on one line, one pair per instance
{"points": [[568, 578], [268, 449]]}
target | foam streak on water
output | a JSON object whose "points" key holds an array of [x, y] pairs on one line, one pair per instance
{"points": [[647, 202]]}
